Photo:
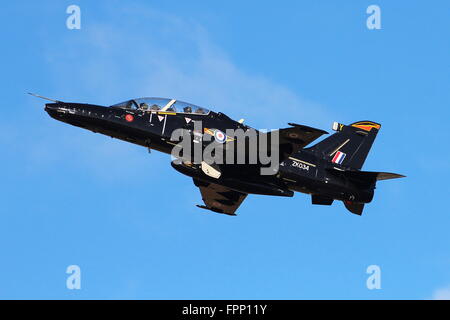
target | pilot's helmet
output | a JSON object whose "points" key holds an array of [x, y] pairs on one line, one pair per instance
{"points": [[200, 111], [187, 109], [143, 106], [154, 107]]}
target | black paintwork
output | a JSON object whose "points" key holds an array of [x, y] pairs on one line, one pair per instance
{"points": [[307, 170]]}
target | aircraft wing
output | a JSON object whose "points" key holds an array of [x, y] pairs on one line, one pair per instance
{"points": [[295, 138], [218, 198]]}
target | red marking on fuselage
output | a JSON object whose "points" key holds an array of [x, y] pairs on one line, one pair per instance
{"points": [[129, 117]]}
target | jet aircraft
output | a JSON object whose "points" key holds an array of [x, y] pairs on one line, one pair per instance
{"points": [[327, 171]]}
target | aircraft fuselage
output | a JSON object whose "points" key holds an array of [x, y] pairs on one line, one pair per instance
{"points": [[303, 172]]}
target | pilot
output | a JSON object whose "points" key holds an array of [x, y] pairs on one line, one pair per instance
{"points": [[154, 107], [143, 106], [187, 109], [200, 111]]}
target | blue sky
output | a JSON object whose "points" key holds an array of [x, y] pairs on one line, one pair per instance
{"points": [[129, 220]]}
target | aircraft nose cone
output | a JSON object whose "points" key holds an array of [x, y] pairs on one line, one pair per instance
{"points": [[54, 110], [49, 107]]}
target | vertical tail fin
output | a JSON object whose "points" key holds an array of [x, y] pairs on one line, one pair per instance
{"points": [[350, 145]]}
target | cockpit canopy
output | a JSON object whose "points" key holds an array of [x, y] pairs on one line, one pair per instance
{"points": [[161, 104]]}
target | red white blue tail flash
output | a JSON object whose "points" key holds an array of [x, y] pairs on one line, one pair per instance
{"points": [[338, 157]]}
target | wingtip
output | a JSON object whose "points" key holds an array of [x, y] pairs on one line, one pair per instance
{"points": [[215, 210]]}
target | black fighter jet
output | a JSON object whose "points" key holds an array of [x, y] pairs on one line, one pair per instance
{"points": [[327, 171]]}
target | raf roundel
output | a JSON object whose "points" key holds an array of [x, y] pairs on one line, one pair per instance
{"points": [[220, 136], [129, 118]]}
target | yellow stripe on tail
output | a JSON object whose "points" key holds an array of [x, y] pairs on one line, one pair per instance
{"points": [[366, 125]]}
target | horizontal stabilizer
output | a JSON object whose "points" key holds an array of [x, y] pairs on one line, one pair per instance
{"points": [[366, 176], [388, 175]]}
